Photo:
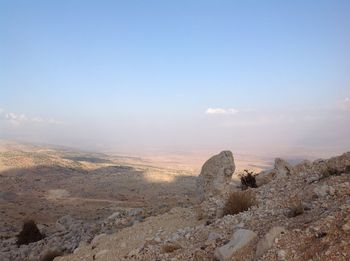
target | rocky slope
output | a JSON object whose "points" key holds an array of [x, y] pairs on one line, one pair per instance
{"points": [[302, 213]]}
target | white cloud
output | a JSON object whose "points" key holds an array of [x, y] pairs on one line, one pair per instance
{"points": [[221, 111], [18, 119], [54, 121]]}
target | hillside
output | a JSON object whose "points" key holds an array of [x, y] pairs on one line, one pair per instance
{"points": [[300, 215], [94, 206]]}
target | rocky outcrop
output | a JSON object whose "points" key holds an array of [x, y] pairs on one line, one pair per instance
{"points": [[240, 239], [283, 168], [321, 229], [69, 234], [215, 175]]}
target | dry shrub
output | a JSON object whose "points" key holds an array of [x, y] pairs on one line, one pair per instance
{"points": [[170, 247], [50, 255], [29, 234], [248, 180], [239, 201]]}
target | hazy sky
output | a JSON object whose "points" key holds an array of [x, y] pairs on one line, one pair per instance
{"points": [[250, 76]]}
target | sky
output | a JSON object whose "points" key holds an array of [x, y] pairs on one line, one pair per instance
{"points": [[260, 77]]}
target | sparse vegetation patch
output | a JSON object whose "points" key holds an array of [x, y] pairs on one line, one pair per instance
{"points": [[239, 202]]}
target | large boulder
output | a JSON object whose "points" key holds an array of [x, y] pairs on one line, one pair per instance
{"points": [[215, 176], [281, 169], [240, 239]]}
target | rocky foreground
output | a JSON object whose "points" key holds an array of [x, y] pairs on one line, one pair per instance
{"points": [[301, 213]]}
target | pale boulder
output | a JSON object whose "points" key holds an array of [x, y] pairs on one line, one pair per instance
{"points": [[215, 176], [283, 168], [240, 239], [267, 241]]}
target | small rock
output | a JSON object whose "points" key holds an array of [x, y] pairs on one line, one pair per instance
{"points": [[324, 190], [346, 226], [240, 239], [281, 255], [213, 236], [101, 255], [267, 241]]}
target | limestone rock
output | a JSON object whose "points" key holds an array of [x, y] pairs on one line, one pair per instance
{"points": [[283, 168], [324, 190], [340, 163], [281, 255], [240, 239], [346, 226], [265, 177], [215, 175], [212, 237], [65, 222], [101, 255], [267, 241]]}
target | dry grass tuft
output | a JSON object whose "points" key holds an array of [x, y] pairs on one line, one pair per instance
{"points": [[170, 247], [29, 234], [238, 202]]}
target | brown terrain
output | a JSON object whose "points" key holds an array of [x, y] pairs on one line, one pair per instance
{"points": [[44, 183], [94, 206]]}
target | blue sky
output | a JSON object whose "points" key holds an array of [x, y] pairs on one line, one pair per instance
{"points": [[176, 74]]}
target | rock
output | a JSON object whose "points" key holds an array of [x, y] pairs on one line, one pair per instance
{"points": [[346, 226], [133, 252], [114, 216], [240, 239], [303, 166], [212, 237], [265, 177], [267, 241], [281, 255], [340, 163], [324, 190], [283, 168], [136, 212], [101, 255], [215, 175], [200, 255], [65, 222]]}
